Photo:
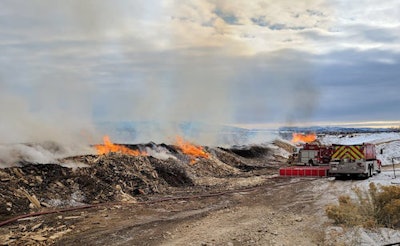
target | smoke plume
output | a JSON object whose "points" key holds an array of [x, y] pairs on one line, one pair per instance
{"points": [[73, 66]]}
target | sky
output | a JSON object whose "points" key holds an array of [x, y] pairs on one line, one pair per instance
{"points": [[66, 65]]}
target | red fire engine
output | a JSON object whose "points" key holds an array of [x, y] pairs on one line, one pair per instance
{"points": [[334, 160]]}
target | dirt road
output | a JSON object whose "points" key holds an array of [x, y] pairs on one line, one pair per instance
{"points": [[279, 212]]}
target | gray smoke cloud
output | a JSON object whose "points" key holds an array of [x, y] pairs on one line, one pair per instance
{"points": [[72, 64], [278, 87], [54, 110]]}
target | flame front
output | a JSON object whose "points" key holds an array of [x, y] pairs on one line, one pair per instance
{"points": [[305, 138], [108, 147], [190, 149]]}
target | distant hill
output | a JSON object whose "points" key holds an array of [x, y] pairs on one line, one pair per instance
{"points": [[146, 131], [339, 130]]}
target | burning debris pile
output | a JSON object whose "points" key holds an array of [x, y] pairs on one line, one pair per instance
{"points": [[120, 173], [303, 138], [109, 147]]}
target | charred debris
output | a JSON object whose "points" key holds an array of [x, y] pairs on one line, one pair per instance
{"points": [[117, 177]]}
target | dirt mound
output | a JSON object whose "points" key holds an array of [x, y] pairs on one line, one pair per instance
{"points": [[173, 172], [254, 151], [248, 158], [112, 177], [118, 177]]}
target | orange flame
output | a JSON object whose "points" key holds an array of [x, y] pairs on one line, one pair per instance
{"points": [[108, 147], [190, 149], [305, 138]]}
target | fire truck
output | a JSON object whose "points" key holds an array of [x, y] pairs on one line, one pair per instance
{"points": [[313, 155], [354, 160], [334, 160]]}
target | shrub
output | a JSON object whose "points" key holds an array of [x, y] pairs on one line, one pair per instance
{"points": [[377, 206]]}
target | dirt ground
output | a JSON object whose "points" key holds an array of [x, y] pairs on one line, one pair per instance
{"points": [[277, 211], [265, 215], [120, 200]]}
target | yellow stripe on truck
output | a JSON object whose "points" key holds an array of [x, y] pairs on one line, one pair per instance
{"points": [[357, 152], [350, 152], [338, 150]]}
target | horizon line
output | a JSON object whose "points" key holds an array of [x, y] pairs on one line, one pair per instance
{"points": [[355, 124]]}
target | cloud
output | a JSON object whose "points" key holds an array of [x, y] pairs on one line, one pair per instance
{"points": [[358, 85], [370, 26], [217, 61]]}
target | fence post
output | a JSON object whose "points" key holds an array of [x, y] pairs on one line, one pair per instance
{"points": [[394, 170]]}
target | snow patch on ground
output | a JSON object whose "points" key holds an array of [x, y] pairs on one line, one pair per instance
{"points": [[359, 138], [360, 236], [390, 152], [384, 178]]}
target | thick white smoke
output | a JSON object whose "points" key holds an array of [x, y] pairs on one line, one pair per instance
{"points": [[70, 65]]}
